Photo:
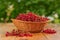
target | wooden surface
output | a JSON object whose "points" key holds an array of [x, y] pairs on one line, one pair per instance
{"points": [[4, 27]]}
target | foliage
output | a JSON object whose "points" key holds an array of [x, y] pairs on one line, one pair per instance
{"points": [[40, 7]]}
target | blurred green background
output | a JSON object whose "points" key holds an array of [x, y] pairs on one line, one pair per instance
{"points": [[11, 8]]}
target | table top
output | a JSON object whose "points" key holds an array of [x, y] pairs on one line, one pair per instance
{"points": [[4, 27]]}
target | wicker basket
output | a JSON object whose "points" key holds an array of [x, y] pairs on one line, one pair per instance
{"points": [[29, 26]]}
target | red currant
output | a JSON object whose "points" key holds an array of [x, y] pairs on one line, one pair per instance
{"points": [[49, 31], [31, 17], [18, 33]]}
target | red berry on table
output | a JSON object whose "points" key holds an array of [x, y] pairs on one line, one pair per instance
{"points": [[25, 34], [21, 35], [13, 33], [49, 31], [8, 34], [28, 35], [18, 33]]}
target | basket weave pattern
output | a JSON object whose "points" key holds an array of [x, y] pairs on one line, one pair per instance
{"points": [[29, 26]]}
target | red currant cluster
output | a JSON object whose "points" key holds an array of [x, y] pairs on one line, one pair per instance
{"points": [[49, 31], [31, 17], [19, 33]]}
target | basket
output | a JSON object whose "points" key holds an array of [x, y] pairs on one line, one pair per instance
{"points": [[29, 26]]}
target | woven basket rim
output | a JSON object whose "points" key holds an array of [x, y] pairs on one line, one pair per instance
{"points": [[29, 21]]}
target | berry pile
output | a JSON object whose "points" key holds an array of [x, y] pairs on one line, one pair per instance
{"points": [[18, 33], [31, 17], [49, 31]]}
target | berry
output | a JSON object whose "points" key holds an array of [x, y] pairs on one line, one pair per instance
{"points": [[18, 33], [31, 17], [21, 17], [49, 31], [27, 34], [8, 34], [30, 14], [30, 35], [21, 35]]}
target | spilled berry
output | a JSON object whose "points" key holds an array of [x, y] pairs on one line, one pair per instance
{"points": [[49, 31], [18, 33]]}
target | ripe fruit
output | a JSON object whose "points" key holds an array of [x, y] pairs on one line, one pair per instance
{"points": [[31, 17], [21, 35], [8, 34], [18, 33], [49, 31]]}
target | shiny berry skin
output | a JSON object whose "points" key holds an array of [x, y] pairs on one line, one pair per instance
{"points": [[21, 17], [28, 35], [8, 34], [21, 35], [49, 31], [31, 17], [18, 33]]}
